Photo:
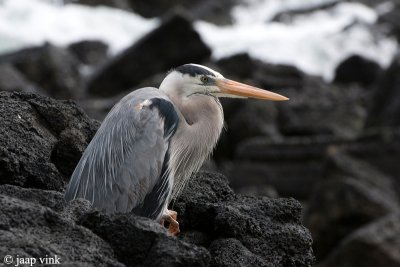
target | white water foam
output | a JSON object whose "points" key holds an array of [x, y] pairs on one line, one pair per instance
{"points": [[315, 43]]}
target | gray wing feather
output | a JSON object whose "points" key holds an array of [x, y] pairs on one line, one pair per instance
{"points": [[124, 160]]}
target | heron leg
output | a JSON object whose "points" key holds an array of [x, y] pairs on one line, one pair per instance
{"points": [[171, 216]]}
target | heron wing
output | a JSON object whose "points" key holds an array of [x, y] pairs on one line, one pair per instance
{"points": [[124, 168]]}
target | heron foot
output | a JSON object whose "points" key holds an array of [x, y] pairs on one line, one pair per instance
{"points": [[170, 216]]}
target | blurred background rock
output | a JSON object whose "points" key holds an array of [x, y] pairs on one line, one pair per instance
{"points": [[335, 146]]}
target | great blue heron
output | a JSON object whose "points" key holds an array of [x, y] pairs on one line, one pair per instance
{"points": [[153, 140]]}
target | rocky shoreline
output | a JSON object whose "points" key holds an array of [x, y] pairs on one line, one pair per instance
{"points": [[41, 142], [334, 147]]}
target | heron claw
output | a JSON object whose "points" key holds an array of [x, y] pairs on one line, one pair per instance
{"points": [[171, 216]]}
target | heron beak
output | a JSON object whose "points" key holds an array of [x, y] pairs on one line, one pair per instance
{"points": [[229, 87]]}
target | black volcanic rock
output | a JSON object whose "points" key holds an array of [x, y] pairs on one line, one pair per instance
{"points": [[268, 76], [37, 223], [375, 245], [268, 229], [320, 108], [357, 69], [315, 107], [289, 14], [28, 229], [218, 227], [390, 18], [13, 80], [231, 252], [41, 140], [385, 102], [172, 44], [255, 118], [90, 52], [143, 242], [52, 68], [121, 4], [216, 12], [380, 148], [292, 166], [47, 198], [352, 194]]}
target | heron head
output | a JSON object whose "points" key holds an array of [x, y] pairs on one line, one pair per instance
{"points": [[193, 79]]}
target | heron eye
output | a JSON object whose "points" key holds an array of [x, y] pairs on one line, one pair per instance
{"points": [[204, 79]]}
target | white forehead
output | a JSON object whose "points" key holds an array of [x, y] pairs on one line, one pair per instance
{"points": [[217, 74]]}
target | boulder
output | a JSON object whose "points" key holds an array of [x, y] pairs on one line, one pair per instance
{"points": [[46, 198], [374, 245], [13, 80], [143, 242], [52, 68], [121, 4], [359, 70], [217, 12], [315, 107], [28, 229], [90, 52], [389, 18], [323, 109], [267, 231], [380, 148], [385, 102], [213, 11], [351, 195], [41, 140], [291, 166], [268, 76], [289, 14], [218, 228], [254, 119], [231, 252], [173, 43], [80, 236]]}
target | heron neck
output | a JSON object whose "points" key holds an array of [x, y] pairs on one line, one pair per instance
{"points": [[199, 111], [201, 123]]}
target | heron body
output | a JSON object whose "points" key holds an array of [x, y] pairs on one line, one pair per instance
{"points": [[152, 141]]}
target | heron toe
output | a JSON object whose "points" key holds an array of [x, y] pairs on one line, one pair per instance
{"points": [[170, 216]]}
